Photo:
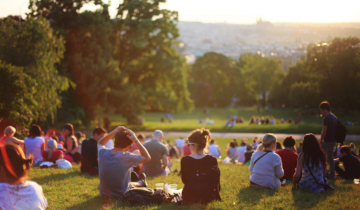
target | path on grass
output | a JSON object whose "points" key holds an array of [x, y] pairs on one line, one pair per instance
{"points": [[247, 135]]}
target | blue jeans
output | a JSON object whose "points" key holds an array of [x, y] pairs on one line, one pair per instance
{"points": [[328, 148]]}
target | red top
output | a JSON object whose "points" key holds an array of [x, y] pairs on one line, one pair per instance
{"points": [[289, 162], [55, 155], [186, 150]]}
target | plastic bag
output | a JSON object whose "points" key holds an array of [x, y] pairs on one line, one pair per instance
{"points": [[226, 160], [62, 163]]}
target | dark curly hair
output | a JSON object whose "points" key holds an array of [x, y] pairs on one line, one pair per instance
{"points": [[200, 137]]}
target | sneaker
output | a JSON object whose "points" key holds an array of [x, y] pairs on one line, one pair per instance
{"points": [[143, 179]]}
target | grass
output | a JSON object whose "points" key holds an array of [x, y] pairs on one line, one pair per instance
{"points": [[187, 121], [68, 189]]}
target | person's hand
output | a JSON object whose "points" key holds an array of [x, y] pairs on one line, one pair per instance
{"points": [[295, 181], [119, 128], [131, 135]]}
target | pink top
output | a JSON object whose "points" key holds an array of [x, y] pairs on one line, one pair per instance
{"points": [[187, 150]]}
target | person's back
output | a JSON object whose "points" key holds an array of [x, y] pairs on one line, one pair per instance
{"points": [[89, 157], [241, 153], [289, 162], [33, 146], [214, 150], [157, 150], [351, 165], [232, 153], [330, 121], [267, 171]]}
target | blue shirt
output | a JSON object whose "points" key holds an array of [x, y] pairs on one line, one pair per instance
{"points": [[330, 121]]}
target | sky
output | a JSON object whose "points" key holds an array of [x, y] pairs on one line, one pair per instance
{"points": [[236, 11]]}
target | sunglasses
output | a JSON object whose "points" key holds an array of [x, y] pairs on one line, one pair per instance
{"points": [[190, 143]]}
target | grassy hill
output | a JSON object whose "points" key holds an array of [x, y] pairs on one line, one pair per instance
{"points": [[68, 189]]}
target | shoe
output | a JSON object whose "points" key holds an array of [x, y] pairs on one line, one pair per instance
{"points": [[142, 177]]}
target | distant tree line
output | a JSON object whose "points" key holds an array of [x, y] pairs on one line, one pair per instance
{"points": [[60, 64]]}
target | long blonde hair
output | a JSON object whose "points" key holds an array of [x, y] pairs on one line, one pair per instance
{"points": [[51, 145]]}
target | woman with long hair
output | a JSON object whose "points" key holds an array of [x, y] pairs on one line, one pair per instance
{"points": [[15, 191], [311, 167], [198, 141], [34, 144], [70, 142]]}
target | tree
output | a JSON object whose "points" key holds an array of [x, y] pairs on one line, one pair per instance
{"points": [[214, 80], [260, 75], [148, 59], [31, 83]]}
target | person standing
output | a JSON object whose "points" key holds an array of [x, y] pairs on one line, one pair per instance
{"points": [[328, 135]]}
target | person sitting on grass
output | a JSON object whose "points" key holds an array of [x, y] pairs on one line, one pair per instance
{"points": [[52, 154], [15, 191], [115, 164], [214, 149], [248, 154], [278, 146], [133, 147], [311, 165], [70, 142], [186, 149], [353, 149], [89, 152], [240, 153], [231, 151], [159, 155], [8, 137], [288, 157], [350, 162], [265, 165], [34, 144], [197, 142]]}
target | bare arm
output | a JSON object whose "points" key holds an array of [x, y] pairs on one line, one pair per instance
{"points": [[299, 168], [323, 133], [143, 152], [16, 141], [165, 160], [106, 138]]}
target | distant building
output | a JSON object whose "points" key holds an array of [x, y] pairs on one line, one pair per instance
{"points": [[263, 24]]}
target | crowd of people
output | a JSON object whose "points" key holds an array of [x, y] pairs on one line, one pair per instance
{"points": [[125, 163]]}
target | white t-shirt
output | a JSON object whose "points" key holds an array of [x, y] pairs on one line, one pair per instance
{"points": [[267, 171], [179, 142], [214, 150], [33, 146], [28, 195], [241, 154], [110, 144]]}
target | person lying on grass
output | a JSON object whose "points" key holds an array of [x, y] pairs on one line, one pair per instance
{"points": [[115, 164], [15, 191]]}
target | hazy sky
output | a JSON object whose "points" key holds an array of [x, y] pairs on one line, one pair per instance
{"points": [[238, 11]]}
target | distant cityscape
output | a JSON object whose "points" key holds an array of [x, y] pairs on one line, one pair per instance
{"points": [[286, 41]]}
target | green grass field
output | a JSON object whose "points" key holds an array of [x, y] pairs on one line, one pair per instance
{"points": [[68, 189], [187, 121]]}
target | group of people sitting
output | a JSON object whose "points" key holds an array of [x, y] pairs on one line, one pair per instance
{"points": [[262, 120]]}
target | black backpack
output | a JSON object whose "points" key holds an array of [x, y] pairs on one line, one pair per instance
{"points": [[340, 132], [146, 196], [203, 186]]}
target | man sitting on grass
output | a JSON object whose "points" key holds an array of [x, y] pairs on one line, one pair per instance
{"points": [[288, 157], [351, 164], [159, 155], [115, 164]]}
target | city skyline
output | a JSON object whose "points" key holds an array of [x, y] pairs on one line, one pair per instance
{"points": [[235, 11]]}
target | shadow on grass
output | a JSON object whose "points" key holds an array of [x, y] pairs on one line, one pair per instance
{"points": [[304, 198], [59, 176], [252, 195], [93, 203]]}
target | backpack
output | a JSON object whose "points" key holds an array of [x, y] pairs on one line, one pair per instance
{"points": [[203, 186], [340, 132], [146, 196]]}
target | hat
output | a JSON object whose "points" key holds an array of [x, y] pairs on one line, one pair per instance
{"points": [[268, 139]]}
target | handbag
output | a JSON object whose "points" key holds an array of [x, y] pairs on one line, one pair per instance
{"points": [[326, 184]]}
